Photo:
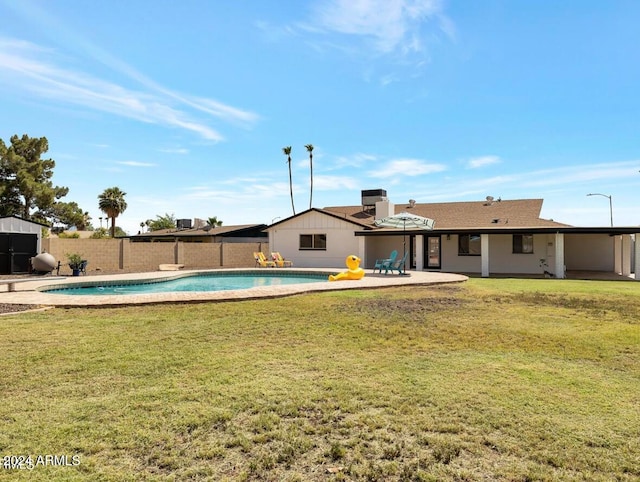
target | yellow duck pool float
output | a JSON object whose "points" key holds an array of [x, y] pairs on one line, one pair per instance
{"points": [[354, 272]]}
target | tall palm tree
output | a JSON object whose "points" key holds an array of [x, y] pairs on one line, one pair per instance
{"points": [[309, 148], [287, 152], [112, 203]]}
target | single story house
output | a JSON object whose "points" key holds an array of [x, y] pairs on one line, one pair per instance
{"points": [[492, 236], [20, 240], [245, 233]]}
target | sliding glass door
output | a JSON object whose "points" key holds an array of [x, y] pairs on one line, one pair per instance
{"points": [[432, 252]]}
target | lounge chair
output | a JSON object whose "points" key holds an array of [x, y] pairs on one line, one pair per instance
{"points": [[262, 261], [398, 265], [385, 263], [280, 261]]}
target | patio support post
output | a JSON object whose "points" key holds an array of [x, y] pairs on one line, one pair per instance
{"points": [[625, 255], [419, 252], [617, 254], [637, 257], [362, 250], [559, 268], [484, 254]]}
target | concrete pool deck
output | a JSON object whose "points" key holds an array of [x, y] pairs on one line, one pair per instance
{"points": [[26, 292]]}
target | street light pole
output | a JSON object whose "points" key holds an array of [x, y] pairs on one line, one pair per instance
{"points": [[610, 204]]}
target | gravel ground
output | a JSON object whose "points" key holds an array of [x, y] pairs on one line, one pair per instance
{"points": [[10, 308]]}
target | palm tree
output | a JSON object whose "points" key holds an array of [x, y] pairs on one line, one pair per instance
{"points": [[287, 152], [168, 221], [213, 222], [112, 203], [309, 148]]}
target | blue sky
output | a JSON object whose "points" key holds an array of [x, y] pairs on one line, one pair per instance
{"points": [[186, 105]]}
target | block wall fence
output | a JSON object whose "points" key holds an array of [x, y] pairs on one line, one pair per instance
{"points": [[121, 255]]}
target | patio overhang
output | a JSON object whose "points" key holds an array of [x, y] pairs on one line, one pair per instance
{"points": [[611, 231]]}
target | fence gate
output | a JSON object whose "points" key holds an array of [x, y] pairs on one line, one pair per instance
{"points": [[15, 252]]}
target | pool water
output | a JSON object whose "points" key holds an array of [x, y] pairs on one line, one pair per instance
{"points": [[208, 282]]}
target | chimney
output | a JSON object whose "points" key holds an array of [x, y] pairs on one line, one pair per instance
{"points": [[384, 209]]}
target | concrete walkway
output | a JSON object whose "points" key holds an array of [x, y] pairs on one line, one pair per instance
{"points": [[27, 291]]}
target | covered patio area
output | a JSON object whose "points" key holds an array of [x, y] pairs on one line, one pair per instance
{"points": [[565, 252]]}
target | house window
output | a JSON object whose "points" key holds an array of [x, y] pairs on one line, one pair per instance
{"points": [[313, 241], [523, 243], [469, 245]]}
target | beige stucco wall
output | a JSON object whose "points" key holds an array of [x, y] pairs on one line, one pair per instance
{"points": [[589, 252], [454, 263], [380, 247], [341, 240], [502, 260], [113, 255]]}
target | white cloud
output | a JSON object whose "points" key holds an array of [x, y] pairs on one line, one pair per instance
{"points": [[222, 111], [250, 190], [136, 164], [584, 173], [334, 183], [394, 25], [24, 71], [175, 150], [406, 168], [355, 160], [241, 181], [275, 32], [476, 162], [578, 178]]}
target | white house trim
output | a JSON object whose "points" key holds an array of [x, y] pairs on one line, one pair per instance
{"points": [[636, 256], [484, 254], [617, 254], [625, 255], [559, 270]]}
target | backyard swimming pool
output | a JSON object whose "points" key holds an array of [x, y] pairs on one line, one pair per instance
{"points": [[191, 283]]}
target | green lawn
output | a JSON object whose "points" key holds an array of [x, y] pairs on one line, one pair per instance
{"points": [[493, 379]]}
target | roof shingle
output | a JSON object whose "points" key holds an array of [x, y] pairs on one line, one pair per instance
{"points": [[519, 213]]}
